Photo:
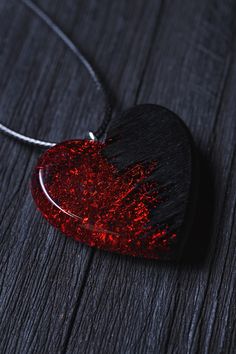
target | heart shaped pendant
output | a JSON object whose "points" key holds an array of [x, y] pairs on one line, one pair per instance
{"points": [[133, 194]]}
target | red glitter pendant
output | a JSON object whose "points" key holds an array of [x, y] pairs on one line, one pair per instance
{"points": [[107, 197]]}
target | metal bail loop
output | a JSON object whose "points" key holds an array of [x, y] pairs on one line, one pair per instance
{"points": [[92, 136]]}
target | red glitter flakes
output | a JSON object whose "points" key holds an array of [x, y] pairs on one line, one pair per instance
{"points": [[85, 196]]}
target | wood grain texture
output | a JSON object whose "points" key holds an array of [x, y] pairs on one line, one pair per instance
{"points": [[150, 133], [57, 296]]}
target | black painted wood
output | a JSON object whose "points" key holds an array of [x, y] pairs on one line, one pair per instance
{"points": [[60, 297], [149, 133]]}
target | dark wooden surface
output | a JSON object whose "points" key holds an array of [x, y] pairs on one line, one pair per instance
{"points": [[57, 296]]}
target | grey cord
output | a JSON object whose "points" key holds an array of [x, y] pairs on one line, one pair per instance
{"points": [[94, 76]]}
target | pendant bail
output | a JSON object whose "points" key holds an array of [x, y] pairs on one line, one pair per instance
{"points": [[92, 136]]}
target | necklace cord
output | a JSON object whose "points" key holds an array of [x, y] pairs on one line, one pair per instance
{"points": [[85, 62]]}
